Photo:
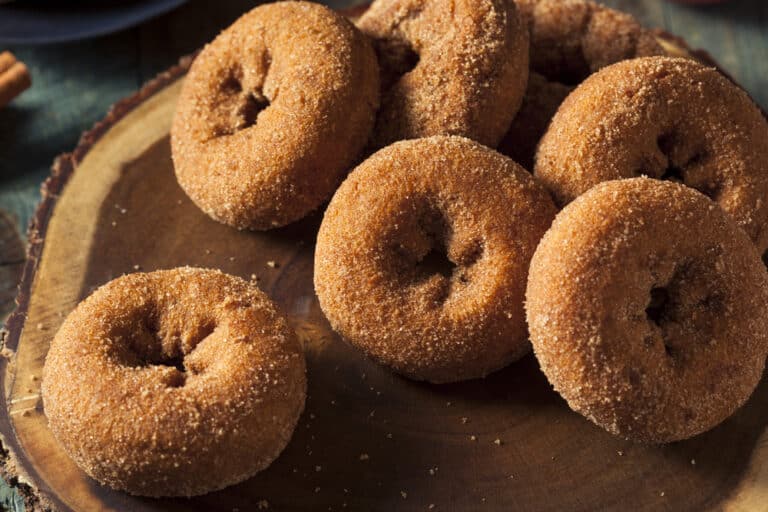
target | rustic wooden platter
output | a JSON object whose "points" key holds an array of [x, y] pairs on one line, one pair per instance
{"points": [[368, 439]]}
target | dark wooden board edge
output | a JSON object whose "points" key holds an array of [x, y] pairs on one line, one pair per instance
{"points": [[63, 166]]}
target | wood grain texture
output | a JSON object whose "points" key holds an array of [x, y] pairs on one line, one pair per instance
{"points": [[356, 405]]}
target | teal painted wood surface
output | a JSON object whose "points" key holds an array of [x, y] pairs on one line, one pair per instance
{"points": [[75, 83]]}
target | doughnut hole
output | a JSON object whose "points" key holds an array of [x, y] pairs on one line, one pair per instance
{"points": [[682, 312], [155, 345], [243, 97], [682, 160], [434, 261], [397, 57]]}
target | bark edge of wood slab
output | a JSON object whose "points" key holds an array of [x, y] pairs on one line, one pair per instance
{"points": [[462, 411]]}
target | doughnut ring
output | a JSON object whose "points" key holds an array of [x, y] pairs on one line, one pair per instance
{"points": [[570, 40], [667, 118], [422, 257], [448, 67], [273, 113], [174, 383], [648, 310]]}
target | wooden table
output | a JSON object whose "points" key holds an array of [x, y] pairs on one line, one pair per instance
{"points": [[75, 83]]}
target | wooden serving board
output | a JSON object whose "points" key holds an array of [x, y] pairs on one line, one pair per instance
{"points": [[368, 440]]}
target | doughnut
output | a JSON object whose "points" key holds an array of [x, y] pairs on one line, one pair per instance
{"points": [[569, 40], [273, 113], [667, 118], [174, 383], [648, 310], [422, 257], [448, 67]]}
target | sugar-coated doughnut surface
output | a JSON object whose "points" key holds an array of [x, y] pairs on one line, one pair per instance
{"points": [[667, 118], [569, 39], [648, 310], [422, 257], [448, 67], [174, 383], [273, 113]]}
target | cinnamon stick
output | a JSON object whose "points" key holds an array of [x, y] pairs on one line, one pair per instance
{"points": [[6, 61], [14, 78]]}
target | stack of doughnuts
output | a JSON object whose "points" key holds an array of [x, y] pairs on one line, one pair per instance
{"points": [[645, 298]]}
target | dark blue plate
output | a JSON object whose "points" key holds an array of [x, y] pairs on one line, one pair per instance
{"points": [[56, 21]]}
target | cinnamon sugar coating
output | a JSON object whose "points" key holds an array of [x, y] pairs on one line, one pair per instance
{"points": [[422, 257], [648, 310], [174, 383], [570, 39], [666, 118], [448, 67], [273, 113]]}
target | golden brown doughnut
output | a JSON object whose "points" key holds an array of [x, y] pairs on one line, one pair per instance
{"points": [[273, 113], [448, 67], [174, 383], [570, 39], [648, 310], [666, 118], [422, 257]]}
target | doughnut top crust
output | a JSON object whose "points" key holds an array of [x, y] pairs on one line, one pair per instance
{"points": [[273, 113], [448, 67], [422, 257], [174, 383], [667, 118], [648, 310]]}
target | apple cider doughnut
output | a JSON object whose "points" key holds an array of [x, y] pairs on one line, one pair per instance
{"points": [[448, 67], [648, 310], [174, 383], [667, 118], [273, 113], [570, 40], [422, 257]]}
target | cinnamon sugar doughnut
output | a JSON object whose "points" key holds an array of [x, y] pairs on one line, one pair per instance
{"points": [[174, 383], [273, 113], [666, 118], [448, 67], [570, 39], [648, 310], [422, 257]]}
